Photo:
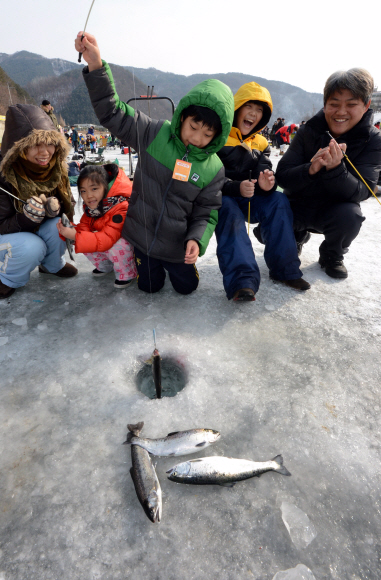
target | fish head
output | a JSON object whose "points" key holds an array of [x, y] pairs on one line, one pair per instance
{"points": [[212, 435], [152, 506], [179, 471]]}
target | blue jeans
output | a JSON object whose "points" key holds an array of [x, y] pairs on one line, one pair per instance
{"points": [[235, 253], [21, 252]]}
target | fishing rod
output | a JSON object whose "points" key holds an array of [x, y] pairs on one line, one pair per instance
{"points": [[248, 216], [156, 368], [83, 32], [11, 194], [65, 222], [351, 164]]}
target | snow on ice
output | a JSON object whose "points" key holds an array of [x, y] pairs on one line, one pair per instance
{"points": [[296, 374]]}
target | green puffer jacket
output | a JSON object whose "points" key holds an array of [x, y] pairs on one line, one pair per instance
{"points": [[164, 213]]}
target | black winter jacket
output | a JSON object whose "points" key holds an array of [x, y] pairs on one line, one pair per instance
{"points": [[238, 161], [340, 184]]}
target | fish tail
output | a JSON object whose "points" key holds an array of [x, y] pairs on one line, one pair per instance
{"points": [[136, 429], [130, 436], [281, 468]]}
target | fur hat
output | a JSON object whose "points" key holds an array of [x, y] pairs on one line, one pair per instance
{"points": [[27, 126]]}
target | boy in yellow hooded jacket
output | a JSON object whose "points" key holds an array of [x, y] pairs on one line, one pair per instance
{"points": [[249, 177]]}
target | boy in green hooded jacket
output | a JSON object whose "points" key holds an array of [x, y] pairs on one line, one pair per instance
{"points": [[176, 193]]}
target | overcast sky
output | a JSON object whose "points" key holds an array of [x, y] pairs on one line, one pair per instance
{"points": [[295, 41]]}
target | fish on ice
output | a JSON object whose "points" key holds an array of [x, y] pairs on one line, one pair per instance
{"points": [[220, 470], [146, 482], [176, 443]]}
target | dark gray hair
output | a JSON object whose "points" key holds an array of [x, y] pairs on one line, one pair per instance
{"points": [[356, 80]]}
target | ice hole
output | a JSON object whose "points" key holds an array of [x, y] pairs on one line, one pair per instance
{"points": [[173, 378]]}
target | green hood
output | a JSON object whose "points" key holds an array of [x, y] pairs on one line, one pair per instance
{"points": [[216, 96]]}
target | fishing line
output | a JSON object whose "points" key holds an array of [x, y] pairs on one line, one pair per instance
{"points": [[351, 164], [144, 205]]}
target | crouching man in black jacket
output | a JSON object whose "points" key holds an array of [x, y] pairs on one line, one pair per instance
{"points": [[323, 189]]}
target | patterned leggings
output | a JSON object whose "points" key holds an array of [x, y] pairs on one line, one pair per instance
{"points": [[119, 258]]}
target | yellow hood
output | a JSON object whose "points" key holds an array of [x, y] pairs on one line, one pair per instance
{"points": [[251, 92]]}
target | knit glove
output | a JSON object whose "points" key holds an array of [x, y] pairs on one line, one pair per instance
{"points": [[34, 209], [52, 206]]}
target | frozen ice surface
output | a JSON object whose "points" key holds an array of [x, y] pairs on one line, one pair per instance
{"points": [[3, 340], [301, 572], [302, 380], [19, 321], [298, 524]]}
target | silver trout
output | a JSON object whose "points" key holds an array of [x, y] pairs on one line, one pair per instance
{"points": [[176, 443], [69, 243], [221, 470], [147, 485]]}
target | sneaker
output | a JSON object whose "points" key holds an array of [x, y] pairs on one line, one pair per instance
{"points": [[298, 284], [68, 271], [99, 273], [257, 233], [123, 283], [333, 267], [244, 295], [303, 241], [5, 291]]}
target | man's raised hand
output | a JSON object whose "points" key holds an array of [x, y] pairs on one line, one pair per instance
{"points": [[329, 157]]}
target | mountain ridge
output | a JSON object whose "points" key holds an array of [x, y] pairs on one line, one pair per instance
{"points": [[61, 82]]}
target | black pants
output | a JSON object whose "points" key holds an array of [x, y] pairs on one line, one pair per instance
{"points": [[152, 273], [340, 224], [279, 140], [75, 145]]}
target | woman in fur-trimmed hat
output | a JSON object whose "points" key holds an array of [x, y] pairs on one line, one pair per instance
{"points": [[33, 168]]}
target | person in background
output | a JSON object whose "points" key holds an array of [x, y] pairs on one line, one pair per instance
{"points": [[323, 188], [47, 107], [274, 129], [74, 138], [283, 136]]}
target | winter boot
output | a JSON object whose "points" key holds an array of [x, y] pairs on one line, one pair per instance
{"points": [[123, 283], [68, 271], [333, 267], [301, 241], [257, 233], [5, 291], [98, 273], [298, 284], [244, 295]]}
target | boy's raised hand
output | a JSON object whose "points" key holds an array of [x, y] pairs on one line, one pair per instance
{"points": [[266, 180], [192, 251], [246, 187], [90, 50]]}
